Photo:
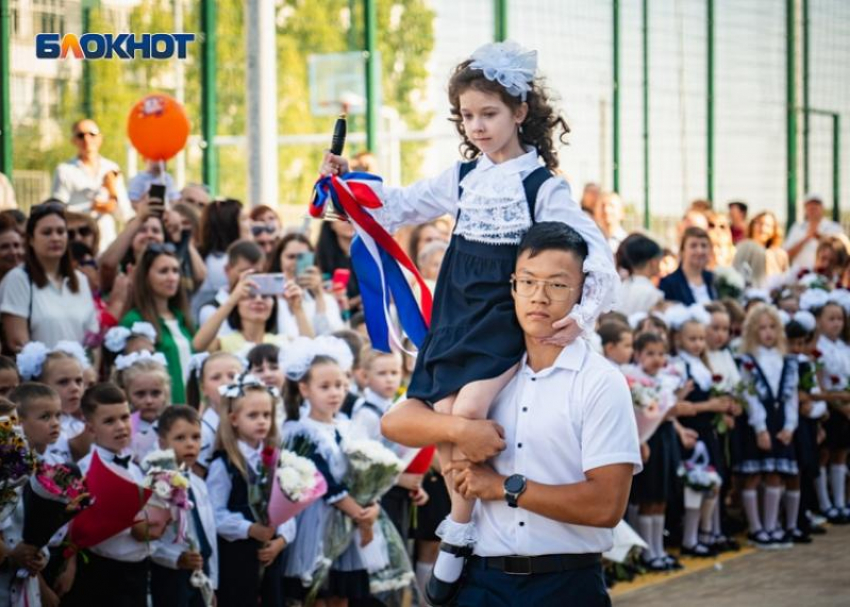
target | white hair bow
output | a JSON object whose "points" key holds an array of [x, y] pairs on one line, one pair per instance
{"points": [[242, 383], [123, 362], [508, 64]]}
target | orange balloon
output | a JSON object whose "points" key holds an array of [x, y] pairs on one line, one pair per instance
{"points": [[158, 127]]}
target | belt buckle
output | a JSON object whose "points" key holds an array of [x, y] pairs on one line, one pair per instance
{"points": [[519, 565]]}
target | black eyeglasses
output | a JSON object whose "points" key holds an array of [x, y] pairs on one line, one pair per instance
{"points": [[159, 248], [83, 134], [82, 232], [88, 263], [259, 229]]}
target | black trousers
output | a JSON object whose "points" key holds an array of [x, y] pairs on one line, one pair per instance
{"points": [[103, 582], [576, 588]]}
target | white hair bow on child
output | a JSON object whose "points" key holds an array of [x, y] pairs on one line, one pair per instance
{"points": [[123, 362], [30, 359], [298, 355], [242, 383], [813, 299], [116, 338], [803, 318], [508, 64], [676, 316]]}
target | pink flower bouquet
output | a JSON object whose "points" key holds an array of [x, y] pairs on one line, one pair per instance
{"points": [[297, 484]]}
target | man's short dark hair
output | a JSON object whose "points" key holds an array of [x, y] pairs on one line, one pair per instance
{"points": [[552, 236], [171, 415], [740, 205], [248, 250], [105, 393]]}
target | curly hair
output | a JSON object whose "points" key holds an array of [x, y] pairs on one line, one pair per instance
{"points": [[537, 130]]}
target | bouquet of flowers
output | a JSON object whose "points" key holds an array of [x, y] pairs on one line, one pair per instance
{"points": [[729, 282], [735, 390], [372, 471], [54, 495], [17, 462], [699, 477], [648, 403], [260, 487], [169, 490], [115, 505], [296, 484]]}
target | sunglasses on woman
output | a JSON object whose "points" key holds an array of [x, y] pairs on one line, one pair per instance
{"points": [[82, 232], [158, 248], [257, 230]]}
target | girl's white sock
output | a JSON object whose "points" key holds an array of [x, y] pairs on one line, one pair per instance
{"points": [[658, 535], [838, 484], [823, 494], [716, 527], [449, 567], [772, 497], [689, 533], [792, 509], [709, 505], [750, 500], [645, 528]]}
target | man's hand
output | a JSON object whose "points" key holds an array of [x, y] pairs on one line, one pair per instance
{"points": [[479, 440], [477, 481]]}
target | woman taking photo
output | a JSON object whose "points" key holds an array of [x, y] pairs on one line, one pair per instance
{"points": [[691, 282], [306, 310], [160, 299], [46, 300], [251, 315]]}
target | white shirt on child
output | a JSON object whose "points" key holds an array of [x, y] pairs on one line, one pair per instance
{"points": [[232, 526], [167, 550], [559, 423], [637, 294], [120, 547], [365, 421], [836, 362], [71, 426]]}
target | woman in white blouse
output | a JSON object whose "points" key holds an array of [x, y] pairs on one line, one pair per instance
{"points": [[45, 299]]}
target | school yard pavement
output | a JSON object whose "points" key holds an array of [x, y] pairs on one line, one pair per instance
{"points": [[813, 575]]}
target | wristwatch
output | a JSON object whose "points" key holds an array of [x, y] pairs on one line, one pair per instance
{"points": [[514, 487]]}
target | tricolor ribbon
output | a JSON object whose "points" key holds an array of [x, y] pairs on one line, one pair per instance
{"points": [[377, 260]]}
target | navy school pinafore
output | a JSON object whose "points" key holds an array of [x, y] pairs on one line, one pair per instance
{"points": [[474, 332]]}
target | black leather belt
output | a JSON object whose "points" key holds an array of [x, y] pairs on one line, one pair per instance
{"points": [[527, 565]]}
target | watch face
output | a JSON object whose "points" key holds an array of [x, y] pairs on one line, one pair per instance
{"points": [[514, 484]]}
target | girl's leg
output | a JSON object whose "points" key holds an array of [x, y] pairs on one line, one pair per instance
{"points": [[473, 402], [690, 528], [646, 530], [838, 478], [657, 515], [792, 502], [772, 497], [458, 534], [824, 503], [709, 505], [750, 502]]}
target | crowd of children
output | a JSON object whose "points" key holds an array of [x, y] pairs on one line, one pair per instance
{"points": [[746, 422]]}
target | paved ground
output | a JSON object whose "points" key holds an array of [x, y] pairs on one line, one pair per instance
{"points": [[816, 575]]}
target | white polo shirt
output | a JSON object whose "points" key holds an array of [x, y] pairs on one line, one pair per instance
{"points": [[57, 312], [559, 423], [806, 257]]}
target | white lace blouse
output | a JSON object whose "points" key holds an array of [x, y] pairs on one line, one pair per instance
{"points": [[493, 210]]}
